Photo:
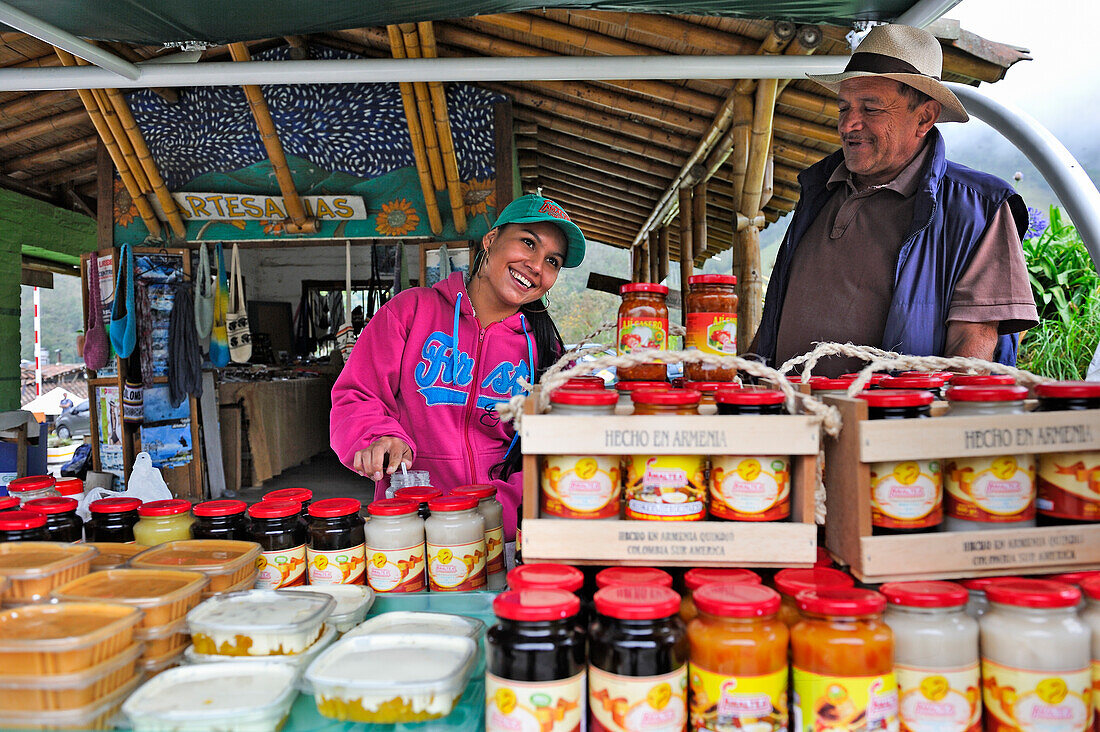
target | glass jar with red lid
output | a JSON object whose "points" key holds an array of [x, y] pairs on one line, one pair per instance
{"points": [[626, 389], [711, 322], [665, 401], [492, 514], [594, 383], [750, 487], [395, 546], [455, 536], [113, 519], [790, 582], [546, 576], [661, 487], [612, 576], [580, 486], [699, 576], [162, 521], [220, 519], [23, 525], [982, 380], [977, 605], [422, 494], [62, 521], [302, 496], [933, 382], [876, 377], [70, 487], [9, 503], [336, 548], [738, 401], [33, 486], [1068, 483], [834, 386], [642, 325], [277, 527], [708, 390]]}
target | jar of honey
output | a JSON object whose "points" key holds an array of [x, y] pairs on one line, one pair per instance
{"points": [[790, 582], [580, 486], [738, 671], [1068, 482], [161, 521], [711, 321], [642, 324], [700, 576]]}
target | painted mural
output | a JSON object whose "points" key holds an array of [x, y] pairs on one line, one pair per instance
{"points": [[340, 139]]}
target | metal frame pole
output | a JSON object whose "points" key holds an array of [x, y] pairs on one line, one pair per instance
{"points": [[66, 41]]}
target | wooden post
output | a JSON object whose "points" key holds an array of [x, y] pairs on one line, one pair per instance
{"points": [[662, 254], [687, 249], [699, 222], [636, 264], [504, 155], [654, 246], [643, 261]]}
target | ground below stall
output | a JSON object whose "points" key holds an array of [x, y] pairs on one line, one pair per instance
{"points": [[323, 474]]}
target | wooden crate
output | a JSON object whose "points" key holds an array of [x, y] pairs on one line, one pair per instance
{"points": [[672, 543], [949, 554]]}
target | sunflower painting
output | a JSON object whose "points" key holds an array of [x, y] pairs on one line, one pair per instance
{"points": [[478, 195], [397, 218], [274, 227], [125, 209]]}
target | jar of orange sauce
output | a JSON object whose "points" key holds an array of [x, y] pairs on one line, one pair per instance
{"points": [[711, 308], [790, 582], [642, 324], [696, 578]]}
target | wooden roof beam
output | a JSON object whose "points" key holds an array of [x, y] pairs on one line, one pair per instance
{"points": [[38, 102], [55, 123], [667, 27], [654, 182], [595, 189], [798, 128], [543, 121], [63, 152], [65, 175], [607, 154], [609, 183]]}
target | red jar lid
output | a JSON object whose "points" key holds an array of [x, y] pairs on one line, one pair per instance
{"points": [[585, 382], [667, 397], [643, 287], [393, 507], [939, 374], [446, 504], [1070, 578], [301, 495], [536, 605], [712, 279], [824, 383], [475, 490], [876, 377], [8, 502], [114, 505], [640, 385], [982, 380], [792, 581], [749, 396], [274, 509], [841, 601], [710, 386], [925, 594], [913, 381], [18, 520], [172, 507], [333, 507], [51, 506], [986, 393], [1091, 588], [696, 578], [584, 397], [896, 398], [30, 483], [823, 558], [633, 576], [1069, 390], [69, 486], [637, 602], [980, 584], [1033, 593], [736, 600], [223, 507], [546, 576], [419, 493]]}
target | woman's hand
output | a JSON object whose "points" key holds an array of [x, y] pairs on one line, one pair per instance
{"points": [[371, 461]]}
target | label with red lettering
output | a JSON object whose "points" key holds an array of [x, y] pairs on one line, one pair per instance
{"points": [[396, 570], [720, 703], [906, 495], [991, 489], [1069, 485], [580, 486], [341, 567], [939, 700], [285, 568], [456, 567], [1036, 701], [712, 333], [636, 334], [666, 488], [534, 706], [844, 703], [750, 488], [637, 703]]}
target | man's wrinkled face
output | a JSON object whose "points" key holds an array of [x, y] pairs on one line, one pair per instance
{"points": [[879, 132]]}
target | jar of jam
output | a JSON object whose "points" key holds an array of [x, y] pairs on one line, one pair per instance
{"points": [[113, 519], [977, 604], [642, 325], [750, 487], [994, 492], [62, 521], [843, 658], [548, 576], [31, 487], [696, 578], [69, 487], [9, 503], [934, 382], [708, 390], [737, 401], [822, 386], [1068, 482], [277, 527], [613, 576], [493, 514], [790, 582], [336, 549], [422, 494], [304, 496], [580, 486], [637, 661], [876, 377], [595, 383], [666, 487], [23, 526], [456, 545], [162, 521], [535, 651], [711, 322], [626, 389], [395, 545], [982, 380], [220, 519], [738, 676]]}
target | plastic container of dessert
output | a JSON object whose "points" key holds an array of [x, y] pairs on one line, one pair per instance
{"points": [[225, 562], [36, 568], [353, 602], [164, 594], [300, 661], [164, 639], [36, 693], [223, 696], [259, 622], [392, 679], [420, 623], [114, 554], [65, 637], [153, 665], [92, 717], [246, 584]]}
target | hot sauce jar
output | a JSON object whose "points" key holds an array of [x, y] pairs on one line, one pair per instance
{"points": [[277, 527], [666, 487], [221, 519], [161, 521], [456, 545], [395, 546], [534, 663], [581, 486], [995, 492], [421, 494], [750, 487], [1068, 482], [738, 671], [113, 519], [637, 661], [790, 582], [33, 486], [843, 658], [23, 526], [642, 324], [493, 514], [700, 576], [336, 548], [62, 521], [711, 322]]}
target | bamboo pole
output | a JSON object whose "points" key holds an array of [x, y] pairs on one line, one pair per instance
{"points": [[37, 102], [600, 151], [662, 253], [563, 193], [50, 155], [808, 102], [404, 43], [665, 28], [698, 220], [42, 126], [642, 171], [781, 34], [686, 247], [802, 157], [590, 180], [742, 127], [806, 41], [653, 246], [443, 130], [121, 140], [614, 169], [811, 131], [643, 261], [585, 132]]}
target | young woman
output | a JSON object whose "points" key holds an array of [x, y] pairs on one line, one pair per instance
{"points": [[420, 385]]}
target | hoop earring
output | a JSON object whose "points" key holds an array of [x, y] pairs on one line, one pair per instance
{"points": [[545, 301]]}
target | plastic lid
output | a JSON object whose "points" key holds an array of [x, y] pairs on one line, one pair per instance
{"points": [[301, 495], [980, 584], [710, 386], [584, 397], [640, 385], [746, 396], [224, 507], [633, 576], [17, 520], [986, 393], [1069, 390], [50, 506], [419, 493], [476, 490], [445, 504], [536, 605], [983, 380], [925, 594], [8, 502], [696, 578], [667, 397], [914, 381], [30, 483], [1033, 593], [712, 279], [637, 602], [69, 486], [841, 601], [792, 581], [274, 509], [393, 507], [1070, 578], [172, 507], [824, 383], [333, 507], [876, 376], [896, 398], [736, 600], [643, 287], [546, 576], [585, 382], [114, 505]]}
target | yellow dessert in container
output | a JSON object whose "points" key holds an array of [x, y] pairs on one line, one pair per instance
{"points": [[164, 594], [65, 637], [114, 554], [35, 568], [259, 622], [35, 692], [225, 562]]}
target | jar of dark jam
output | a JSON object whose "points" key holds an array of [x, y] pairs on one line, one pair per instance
{"points": [[113, 519], [637, 660], [421, 494], [643, 325], [550, 576], [303, 496], [536, 647], [337, 547], [277, 527], [1068, 483], [934, 382], [9, 503], [735, 400], [222, 519], [62, 523], [23, 526]]}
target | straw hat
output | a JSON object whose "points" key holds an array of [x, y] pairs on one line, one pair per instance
{"points": [[902, 53]]}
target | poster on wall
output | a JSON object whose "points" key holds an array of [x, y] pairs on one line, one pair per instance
{"points": [[158, 407], [109, 411], [168, 445]]}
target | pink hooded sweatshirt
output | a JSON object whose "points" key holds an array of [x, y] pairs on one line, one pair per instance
{"points": [[404, 379]]}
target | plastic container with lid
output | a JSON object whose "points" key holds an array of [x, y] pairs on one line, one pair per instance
{"points": [[161, 521], [1036, 657], [637, 659], [69, 487], [936, 659], [336, 549], [38, 693], [665, 487], [113, 519], [1068, 483], [99, 714], [259, 622], [227, 564], [299, 662], [164, 595], [62, 521], [33, 486], [220, 519], [535, 648], [163, 640], [65, 637], [711, 323], [114, 555], [395, 546], [23, 525], [580, 486], [35, 568], [642, 324], [843, 659], [977, 603], [613, 576], [9, 503], [994, 492], [790, 582], [738, 648], [493, 515], [353, 602], [277, 527], [455, 535], [414, 622], [421, 494], [700, 576]]}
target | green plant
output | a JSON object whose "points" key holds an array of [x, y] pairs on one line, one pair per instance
{"points": [[1063, 350]]}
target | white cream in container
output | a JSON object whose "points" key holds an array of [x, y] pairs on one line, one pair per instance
{"points": [[259, 622]]}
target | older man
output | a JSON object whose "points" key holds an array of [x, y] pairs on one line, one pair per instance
{"points": [[891, 244]]}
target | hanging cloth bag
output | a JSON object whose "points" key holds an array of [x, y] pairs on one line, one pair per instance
{"points": [[204, 296], [345, 336], [97, 349], [123, 318], [219, 339], [236, 319]]}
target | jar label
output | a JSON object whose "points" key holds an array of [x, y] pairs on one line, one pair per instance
{"points": [[712, 333], [940, 700], [666, 487], [580, 486], [750, 488], [738, 702], [340, 567], [636, 334], [534, 706], [906, 495], [286, 568], [456, 567], [836, 703], [991, 489], [1037, 701], [396, 570], [494, 550], [1096, 694], [637, 703], [1069, 485]]}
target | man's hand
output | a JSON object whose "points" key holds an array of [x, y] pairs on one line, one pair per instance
{"points": [[972, 340], [372, 461]]}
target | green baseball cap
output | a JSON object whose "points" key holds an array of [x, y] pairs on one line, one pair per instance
{"points": [[531, 208]]}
